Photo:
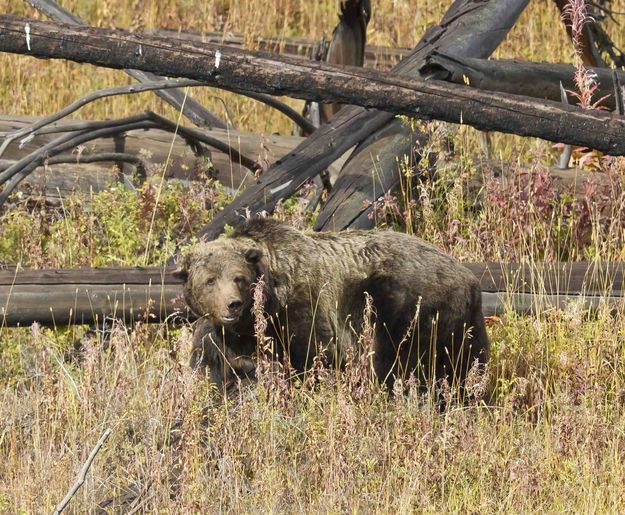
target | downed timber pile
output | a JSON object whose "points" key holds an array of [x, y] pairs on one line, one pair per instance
{"points": [[276, 75], [155, 145], [88, 296], [264, 73], [239, 70]]}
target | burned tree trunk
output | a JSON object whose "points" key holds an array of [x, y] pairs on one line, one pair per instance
{"points": [[469, 30], [347, 45], [228, 68], [537, 80]]}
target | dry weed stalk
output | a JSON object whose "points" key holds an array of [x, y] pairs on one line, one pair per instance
{"points": [[271, 374], [359, 377]]}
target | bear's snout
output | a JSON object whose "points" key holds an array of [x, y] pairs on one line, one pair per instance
{"points": [[235, 304]]}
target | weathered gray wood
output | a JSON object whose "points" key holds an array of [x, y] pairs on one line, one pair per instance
{"points": [[86, 296], [571, 181], [576, 278], [368, 175], [62, 297], [319, 81], [182, 165], [532, 304]]}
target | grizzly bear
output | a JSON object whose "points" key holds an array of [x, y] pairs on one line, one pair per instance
{"points": [[427, 307]]}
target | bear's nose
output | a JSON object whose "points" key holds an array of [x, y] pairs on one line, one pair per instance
{"points": [[234, 304]]}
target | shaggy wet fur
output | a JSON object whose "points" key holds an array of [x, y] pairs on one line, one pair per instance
{"points": [[428, 314]]}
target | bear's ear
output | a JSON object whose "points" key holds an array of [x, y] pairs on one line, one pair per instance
{"points": [[182, 272], [253, 255]]}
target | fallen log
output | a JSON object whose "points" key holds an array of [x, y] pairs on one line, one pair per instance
{"points": [[88, 296], [183, 164], [522, 116], [538, 80], [230, 68]]}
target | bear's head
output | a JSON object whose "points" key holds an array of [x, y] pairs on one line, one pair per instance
{"points": [[219, 280]]}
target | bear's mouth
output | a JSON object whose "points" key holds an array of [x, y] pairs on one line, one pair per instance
{"points": [[231, 318]]}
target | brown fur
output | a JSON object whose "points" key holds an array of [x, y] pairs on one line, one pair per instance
{"points": [[428, 307]]}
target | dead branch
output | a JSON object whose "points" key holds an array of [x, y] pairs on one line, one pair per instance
{"points": [[82, 476], [139, 88], [303, 123], [259, 72], [139, 163], [192, 135], [91, 97], [347, 47], [88, 296], [182, 164], [81, 136], [452, 103], [17, 172]]}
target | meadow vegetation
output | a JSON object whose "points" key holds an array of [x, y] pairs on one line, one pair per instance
{"points": [[549, 436]]}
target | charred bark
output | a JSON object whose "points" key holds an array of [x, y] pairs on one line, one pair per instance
{"points": [[317, 81], [347, 45], [537, 80], [379, 162]]}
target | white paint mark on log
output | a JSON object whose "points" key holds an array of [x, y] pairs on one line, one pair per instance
{"points": [[27, 31], [25, 140], [280, 188], [217, 58]]}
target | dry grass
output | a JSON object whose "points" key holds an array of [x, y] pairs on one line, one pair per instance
{"points": [[550, 439]]}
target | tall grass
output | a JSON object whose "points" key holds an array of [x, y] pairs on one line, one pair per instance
{"points": [[552, 440]]}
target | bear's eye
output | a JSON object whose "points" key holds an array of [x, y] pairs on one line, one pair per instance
{"points": [[210, 281], [239, 279]]}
